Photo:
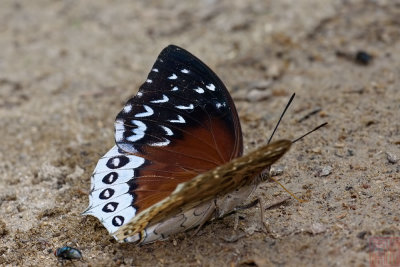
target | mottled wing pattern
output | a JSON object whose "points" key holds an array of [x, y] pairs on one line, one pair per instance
{"points": [[207, 186], [181, 123]]}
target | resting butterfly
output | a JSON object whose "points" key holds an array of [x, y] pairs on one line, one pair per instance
{"points": [[178, 158]]}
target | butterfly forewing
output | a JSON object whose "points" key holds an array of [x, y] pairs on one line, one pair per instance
{"points": [[207, 186], [181, 123], [181, 97]]}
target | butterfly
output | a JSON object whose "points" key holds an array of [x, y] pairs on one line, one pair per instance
{"points": [[178, 160]]}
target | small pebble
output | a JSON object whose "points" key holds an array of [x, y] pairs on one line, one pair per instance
{"points": [[250, 230], [339, 145], [326, 171], [361, 235], [363, 58], [317, 228], [274, 70], [258, 95], [3, 228], [350, 152], [392, 158], [261, 84], [365, 186]]}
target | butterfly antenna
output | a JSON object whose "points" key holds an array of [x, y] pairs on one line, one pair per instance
{"points": [[283, 113], [290, 193], [313, 130], [301, 137]]}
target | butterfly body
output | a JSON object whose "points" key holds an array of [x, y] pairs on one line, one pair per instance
{"points": [[192, 218], [178, 157]]}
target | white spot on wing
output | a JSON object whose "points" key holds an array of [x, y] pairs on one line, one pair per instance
{"points": [[127, 108], [107, 194], [124, 209], [119, 189], [116, 162], [175, 88], [155, 70], [149, 81], [163, 143], [110, 207], [127, 147], [149, 112], [211, 87], [173, 77], [179, 120], [185, 107], [123, 174], [138, 132], [127, 212], [121, 177], [167, 130], [163, 100], [185, 71], [139, 94], [119, 130], [118, 221], [218, 105], [199, 90], [110, 179]]}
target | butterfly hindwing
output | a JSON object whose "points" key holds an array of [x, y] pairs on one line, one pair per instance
{"points": [[110, 197], [207, 186]]}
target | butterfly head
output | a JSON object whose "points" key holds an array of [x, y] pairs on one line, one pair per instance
{"points": [[264, 175]]}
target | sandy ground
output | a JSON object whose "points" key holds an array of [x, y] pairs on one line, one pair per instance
{"points": [[67, 67]]}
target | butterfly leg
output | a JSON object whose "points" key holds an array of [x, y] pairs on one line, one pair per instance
{"points": [[247, 206], [264, 225], [231, 201], [191, 218]]}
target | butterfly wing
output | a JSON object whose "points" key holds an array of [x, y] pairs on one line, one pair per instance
{"points": [[181, 123], [205, 187]]}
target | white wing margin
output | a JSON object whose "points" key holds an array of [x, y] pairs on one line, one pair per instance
{"points": [[110, 199]]}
